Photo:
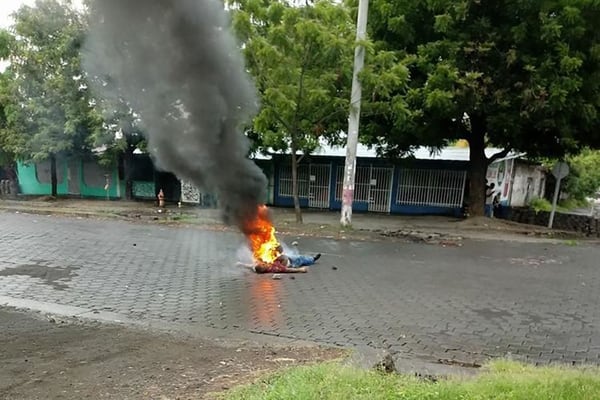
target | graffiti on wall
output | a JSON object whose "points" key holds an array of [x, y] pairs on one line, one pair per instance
{"points": [[189, 193]]}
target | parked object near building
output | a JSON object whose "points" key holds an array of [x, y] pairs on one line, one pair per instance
{"points": [[7, 188], [517, 180], [161, 198]]}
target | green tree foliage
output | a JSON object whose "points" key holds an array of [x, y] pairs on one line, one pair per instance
{"points": [[49, 112], [517, 74], [119, 137], [301, 60], [6, 155], [584, 179]]}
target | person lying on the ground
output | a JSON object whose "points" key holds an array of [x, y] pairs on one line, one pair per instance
{"points": [[276, 267], [296, 261]]}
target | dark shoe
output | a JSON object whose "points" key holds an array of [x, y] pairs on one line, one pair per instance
{"points": [[317, 256]]}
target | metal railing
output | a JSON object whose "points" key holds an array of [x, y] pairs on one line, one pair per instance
{"points": [[431, 187], [285, 181]]}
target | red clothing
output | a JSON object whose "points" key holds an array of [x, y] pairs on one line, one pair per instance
{"points": [[276, 267]]}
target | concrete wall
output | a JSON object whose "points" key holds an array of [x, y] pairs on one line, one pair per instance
{"points": [[568, 222], [529, 182]]}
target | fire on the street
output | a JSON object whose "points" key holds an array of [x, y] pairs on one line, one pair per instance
{"points": [[261, 235]]}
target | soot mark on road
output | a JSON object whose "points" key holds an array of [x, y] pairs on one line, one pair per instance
{"points": [[56, 277]]}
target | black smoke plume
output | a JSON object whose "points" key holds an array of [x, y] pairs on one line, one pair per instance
{"points": [[178, 65]]}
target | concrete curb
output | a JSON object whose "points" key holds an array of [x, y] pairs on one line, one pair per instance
{"points": [[229, 338], [368, 358], [359, 357], [468, 234]]}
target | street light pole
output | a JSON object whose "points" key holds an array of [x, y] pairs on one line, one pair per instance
{"points": [[354, 117]]}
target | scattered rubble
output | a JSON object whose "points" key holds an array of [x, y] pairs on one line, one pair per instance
{"points": [[424, 237]]}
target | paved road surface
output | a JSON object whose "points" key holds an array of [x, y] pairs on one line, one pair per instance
{"points": [[534, 301]]}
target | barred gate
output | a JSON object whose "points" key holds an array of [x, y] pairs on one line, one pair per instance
{"points": [[318, 185], [372, 185], [285, 181], [381, 189], [431, 187], [313, 183]]}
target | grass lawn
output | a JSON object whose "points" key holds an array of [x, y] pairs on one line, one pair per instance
{"points": [[501, 380]]}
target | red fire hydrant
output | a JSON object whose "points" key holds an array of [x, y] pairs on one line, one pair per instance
{"points": [[161, 198]]}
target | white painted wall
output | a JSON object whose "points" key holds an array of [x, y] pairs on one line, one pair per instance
{"points": [[529, 182]]}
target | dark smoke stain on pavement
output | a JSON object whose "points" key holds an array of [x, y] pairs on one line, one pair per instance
{"points": [[179, 67], [52, 276]]}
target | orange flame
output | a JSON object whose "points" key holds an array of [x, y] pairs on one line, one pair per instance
{"points": [[261, 235]]}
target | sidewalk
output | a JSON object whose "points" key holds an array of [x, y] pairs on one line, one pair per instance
{"points": [[316, 223]]}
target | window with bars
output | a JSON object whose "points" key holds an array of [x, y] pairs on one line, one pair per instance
{"points": [[431, 187], [285, 181]]}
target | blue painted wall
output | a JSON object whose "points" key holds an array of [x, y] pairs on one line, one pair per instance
{"points": [[396, 208]]}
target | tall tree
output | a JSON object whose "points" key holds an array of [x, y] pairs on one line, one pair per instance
{"points": [[300, 58], [6, 152], [50, 110], [519, 74], [7, 156], [120, 136], [584, 179]]}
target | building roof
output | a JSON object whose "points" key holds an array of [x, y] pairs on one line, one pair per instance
{"points": [[421, 153]]}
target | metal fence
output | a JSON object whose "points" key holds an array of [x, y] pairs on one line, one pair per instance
{"points": [[372, 185], [362, 185], [431, 187], [319, 185], [285, 181], [313, 183]]}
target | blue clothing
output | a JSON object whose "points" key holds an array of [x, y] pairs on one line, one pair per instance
{"points": [[300, 261], [489, 210]]}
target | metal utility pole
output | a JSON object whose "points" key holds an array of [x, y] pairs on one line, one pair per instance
{"points": [[560, 172], [354, 117]]}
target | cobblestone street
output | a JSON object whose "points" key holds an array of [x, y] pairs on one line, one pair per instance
{"points": [[535, 301]]}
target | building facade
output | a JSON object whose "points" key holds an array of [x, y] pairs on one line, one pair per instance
{"points": [[75, 177], [425, 183], [411, 187]]}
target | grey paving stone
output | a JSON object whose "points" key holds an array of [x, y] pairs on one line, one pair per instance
{"points": [[466, 303]]}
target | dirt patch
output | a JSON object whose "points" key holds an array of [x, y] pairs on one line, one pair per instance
{"points": [[52, 358]]}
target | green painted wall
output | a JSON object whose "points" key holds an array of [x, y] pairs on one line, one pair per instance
{"points": [[29, 184], [143, 189], [99, 191]]}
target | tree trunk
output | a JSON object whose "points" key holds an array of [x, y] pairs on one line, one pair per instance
{"points": [[127, 167], [53, 177], [478, 164], [297, 209], [13, 179]]}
